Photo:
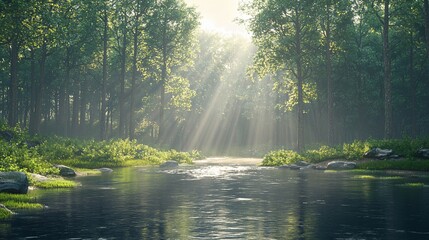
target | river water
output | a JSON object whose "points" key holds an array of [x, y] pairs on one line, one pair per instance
{"points": [[228, 202]]}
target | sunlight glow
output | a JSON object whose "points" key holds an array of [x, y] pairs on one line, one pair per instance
{"points": [[220, 16]]}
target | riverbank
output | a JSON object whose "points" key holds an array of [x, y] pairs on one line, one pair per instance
{"points": [[399, 154]]}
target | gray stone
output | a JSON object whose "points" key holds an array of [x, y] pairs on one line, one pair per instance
{"points": [[105, 170], [38, 177], [13, 182], [294, 167], [340, 165], [169, 164], [302, 163], [66, 171], [423, 153], [380, 153]]}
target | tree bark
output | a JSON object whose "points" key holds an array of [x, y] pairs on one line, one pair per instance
{"points": [[329, 75], [75, 112], [133, 83], [121, 127], [104, 80], [300, 81], [83, 101], [13, 85], [36, 120], [387, 74]]}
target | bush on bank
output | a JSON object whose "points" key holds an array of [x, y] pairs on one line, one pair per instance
{"points": [[39, 154], [406, 148]]}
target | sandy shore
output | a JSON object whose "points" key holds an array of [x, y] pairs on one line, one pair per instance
{"points": [[229, 161]]}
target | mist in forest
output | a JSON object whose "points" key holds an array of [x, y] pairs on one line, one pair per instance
{"points": [[170, 74]]}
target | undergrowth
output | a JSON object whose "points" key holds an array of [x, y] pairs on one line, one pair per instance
{"points": [[405, 148]]}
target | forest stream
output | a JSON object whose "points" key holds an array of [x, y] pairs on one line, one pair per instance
{"points": [[225, 198]]}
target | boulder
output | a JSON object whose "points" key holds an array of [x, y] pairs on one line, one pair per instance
{"points": [[13, 182], [341, 165], [423, 153], [38, 177], [169, 164], [105, 170], [302, 163], [380, 153], [66, 171]]}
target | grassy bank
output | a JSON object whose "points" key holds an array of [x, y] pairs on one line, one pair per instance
{"points": [[405, 148], [38, 155]]}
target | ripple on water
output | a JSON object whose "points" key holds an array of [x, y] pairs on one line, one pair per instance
{"points": [[213, 172]]}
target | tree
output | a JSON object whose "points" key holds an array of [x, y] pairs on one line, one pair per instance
{"points": [[285, 35], [170, 34]]}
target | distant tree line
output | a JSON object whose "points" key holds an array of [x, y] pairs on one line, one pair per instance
{"points": [[350, 69], [318, 72]]}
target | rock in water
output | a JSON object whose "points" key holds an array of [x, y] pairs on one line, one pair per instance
{"points": [[105, 170], [169, 164], [66, 171], [341, 165], [13, 182]]}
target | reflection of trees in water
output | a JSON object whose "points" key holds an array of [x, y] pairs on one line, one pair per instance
{"points": [[302, 199]]}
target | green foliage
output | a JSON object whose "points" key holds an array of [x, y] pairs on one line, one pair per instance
{"points": [[281, 157], [4, 213], [18, 201], [322, 154], [412, 165], [405, 148], [16, 156], [55, 183]]}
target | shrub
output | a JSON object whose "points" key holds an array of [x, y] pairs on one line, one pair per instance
{"points": [[281, 157], [322, 154]]}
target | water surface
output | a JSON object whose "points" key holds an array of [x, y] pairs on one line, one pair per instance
{"points": [[228, 202]]}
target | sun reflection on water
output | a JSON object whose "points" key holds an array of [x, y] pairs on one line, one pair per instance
{"points": [[214, 172]]}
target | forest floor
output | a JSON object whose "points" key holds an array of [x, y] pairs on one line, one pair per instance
{"points": [[229, 161]]}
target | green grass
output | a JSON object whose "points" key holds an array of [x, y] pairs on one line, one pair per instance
{"points": [[366, 177], [89, 154], [4, 213], [406, 148], [22, 205], [412, 165], [371, 177], [413, 185], [17, 202], [55, 183]]}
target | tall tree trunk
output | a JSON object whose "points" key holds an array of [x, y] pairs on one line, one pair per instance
{"points": [[426, 16], [83, 101], [36, 120], [133, 82], [329, 74], [33, 84], [121, 126], [387, 74], [300, 80], [413, 89], [104, 80], [75, 111], [63, 101], [162, 104], [13, 85]]}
